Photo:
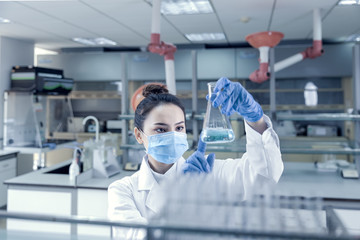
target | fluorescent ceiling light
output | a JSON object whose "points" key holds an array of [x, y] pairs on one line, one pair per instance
{"points": [[95, 41], [354, 38], [39, 0], [104, 41], [349, 2], [4, 20], [199, 37], [179, 7], [41, 51]]}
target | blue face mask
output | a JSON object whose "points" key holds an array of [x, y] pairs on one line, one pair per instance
{"points": [[167, 147]]}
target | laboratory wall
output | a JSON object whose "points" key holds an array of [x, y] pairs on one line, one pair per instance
{"points": [[12, 52], [212, 64]]}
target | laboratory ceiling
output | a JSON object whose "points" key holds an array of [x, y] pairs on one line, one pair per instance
{"points": [[52, 24]]}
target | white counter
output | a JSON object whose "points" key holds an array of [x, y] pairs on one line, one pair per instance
{"points": [[5, 154], [8, 162], [44, 179], [54, 194], [299, 179], [302, 179]]}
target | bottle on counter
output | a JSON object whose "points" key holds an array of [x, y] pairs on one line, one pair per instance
{"points": [[74, 169]]}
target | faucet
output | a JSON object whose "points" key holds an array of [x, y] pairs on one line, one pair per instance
{"points": [[96, 125]]}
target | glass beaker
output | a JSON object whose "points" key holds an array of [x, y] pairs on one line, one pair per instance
{"points": [[87, 154], [217, 127]]}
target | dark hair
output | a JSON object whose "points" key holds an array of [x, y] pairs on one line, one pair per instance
{"points": [[155, 95]]}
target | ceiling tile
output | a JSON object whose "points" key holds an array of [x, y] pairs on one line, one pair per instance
{"points": [[295, 18], [337, 26], [128, 22], [230, 14], [199, 23]]}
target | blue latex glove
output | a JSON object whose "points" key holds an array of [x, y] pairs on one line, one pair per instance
{"points": [[49, 145], [197, 162], [232, 97]]}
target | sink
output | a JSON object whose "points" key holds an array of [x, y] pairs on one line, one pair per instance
{"points": [[63, 170], [60, 170]]}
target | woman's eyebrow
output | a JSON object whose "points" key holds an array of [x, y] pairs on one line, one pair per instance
{"points": [[160, 123], [179, 123]]}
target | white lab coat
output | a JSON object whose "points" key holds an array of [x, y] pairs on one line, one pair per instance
{"points": [[136, 198]]}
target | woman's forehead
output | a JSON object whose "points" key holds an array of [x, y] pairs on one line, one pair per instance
{"points": [[165, 113]]}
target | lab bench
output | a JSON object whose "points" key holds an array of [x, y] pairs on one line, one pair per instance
{"points": [[32, 158], [163, 231], [53, 193], [7, 170], [49, 193]]}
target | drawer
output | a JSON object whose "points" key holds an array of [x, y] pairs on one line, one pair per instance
{"points": [[7, 164]]}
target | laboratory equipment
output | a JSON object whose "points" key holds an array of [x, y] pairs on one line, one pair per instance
{"points": [[58, 111], [159, 231], [104, 162], [40, 80], [266, 40], [104, 152], [321, 131], [263, 41], [217, 127], [310, 94], [159, 47], [191, 201], [87, 154], [24, 119]]}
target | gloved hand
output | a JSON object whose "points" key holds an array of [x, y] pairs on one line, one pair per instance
{"points": [[197, 162], [232, 97]]}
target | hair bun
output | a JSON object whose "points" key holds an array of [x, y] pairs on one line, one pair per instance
{"points": [[154, 89]]}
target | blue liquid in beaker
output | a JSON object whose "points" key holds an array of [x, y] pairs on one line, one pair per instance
{"points": [[217, 135]]}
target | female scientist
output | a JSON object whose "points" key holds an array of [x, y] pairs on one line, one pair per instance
{"points": [[160, 127]]}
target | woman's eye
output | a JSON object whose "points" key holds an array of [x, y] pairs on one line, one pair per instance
{"points": [[160, 130], [179, 129]]}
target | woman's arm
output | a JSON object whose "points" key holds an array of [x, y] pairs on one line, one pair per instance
{"points": [[261, 162], [259, 126]]}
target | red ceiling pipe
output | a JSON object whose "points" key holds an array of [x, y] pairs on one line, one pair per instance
{"points": [[263, 41], [159, 47], [260, 75], [314, 51]]}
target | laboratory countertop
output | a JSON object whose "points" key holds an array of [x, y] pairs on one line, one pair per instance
{"points": [[298, 179], [303, 179], [42, 178], [32, 150], [5, 154]]}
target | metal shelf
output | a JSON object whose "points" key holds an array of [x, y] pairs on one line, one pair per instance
{"points": [[334, 229], [293, 145], [319, 117], [290, 117]]}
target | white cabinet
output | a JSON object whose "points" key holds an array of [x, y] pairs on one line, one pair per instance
{"points": [[7, 171], [92, 203], [53, 201], [58, 201], [350, 219]]}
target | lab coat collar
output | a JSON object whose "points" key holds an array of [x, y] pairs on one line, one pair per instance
{"points": [[146, 178], [155, 199]]}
